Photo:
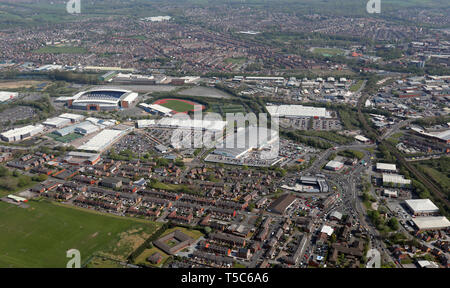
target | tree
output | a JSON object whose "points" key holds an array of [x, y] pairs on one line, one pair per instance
{"points": [[393, 224], [251, 206], [333, 238], [4, 171]]}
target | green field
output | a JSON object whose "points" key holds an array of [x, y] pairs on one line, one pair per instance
{"points": [[328, 51], [61, 50], [227, 108], [40, 235], [178, 105], [356, 86]]}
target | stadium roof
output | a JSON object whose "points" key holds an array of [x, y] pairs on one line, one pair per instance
{"points": [[157, 107], [100, 96], [421, 205], [386, 166], [130, 97], [297, 111], [431, 223]]}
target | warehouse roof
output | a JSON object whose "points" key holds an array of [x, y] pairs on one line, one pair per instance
{"points": [[362, 138], [22, 131], [386, 166], [4, 96], [246, 139], [327, 230], [187, 123], [73, 117], [336, 214], [102, 140], [438, 222], [334, 164], [395, 178], [56, 121], [297, 111], [282, 203], [421, 205]]}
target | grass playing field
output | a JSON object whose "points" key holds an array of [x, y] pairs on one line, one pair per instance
{"points": [[177, 105], [328, 51], [40, 235]]}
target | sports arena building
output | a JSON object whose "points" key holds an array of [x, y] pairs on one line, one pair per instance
{"points": [[102, 99]]}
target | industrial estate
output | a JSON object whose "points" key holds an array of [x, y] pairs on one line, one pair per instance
{"points": [[101, 149]]}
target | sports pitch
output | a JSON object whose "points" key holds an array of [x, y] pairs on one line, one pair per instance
{"points": [[40, 235], [178, 105]]}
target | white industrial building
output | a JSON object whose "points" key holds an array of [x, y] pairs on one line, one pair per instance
{"points": [[22, 133], [57, 122], [246, 140], [86, 128], [336, 215], [102, 123], [362, 139], [146, 123], [395, 179], [83, 128], [422, 206], [293, 111], [390, 193], [385, 167], [327, 230], [431, 223], [6, 96], [427, 264], [212, 125], [334, 165], [102, 141], [72, 117], [443, 136]]}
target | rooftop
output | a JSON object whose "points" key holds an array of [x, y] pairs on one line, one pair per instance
{"points": [[438, 222], [386, 166], [421, 205]]}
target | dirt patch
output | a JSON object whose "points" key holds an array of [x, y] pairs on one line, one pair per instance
{"points": [[19, 84], [129, 241]]}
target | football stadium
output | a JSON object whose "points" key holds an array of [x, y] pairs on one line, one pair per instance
{"points": [[104, 99]]}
